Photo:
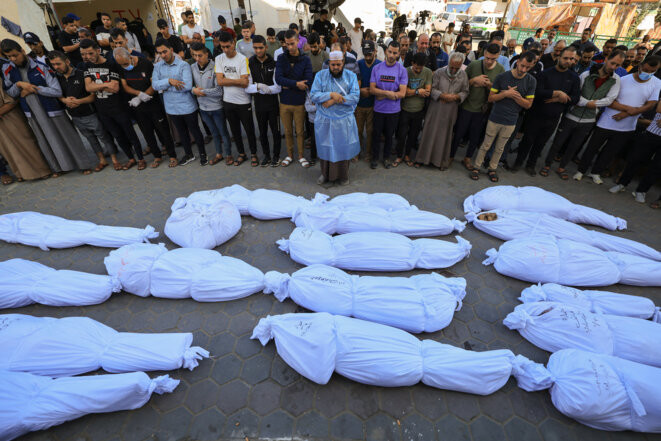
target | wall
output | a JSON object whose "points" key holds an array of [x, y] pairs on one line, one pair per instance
{"points": [[128, 9], [277, 14], [29, 17]]}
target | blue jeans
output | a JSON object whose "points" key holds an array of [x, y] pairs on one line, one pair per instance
{"points": [[215, 120]]}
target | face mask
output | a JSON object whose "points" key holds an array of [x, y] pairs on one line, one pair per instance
{"points": [[129, 67], [644, 75]]}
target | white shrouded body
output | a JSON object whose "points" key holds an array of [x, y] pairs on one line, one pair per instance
{"points": [[517, 224], [201, 225], [422, 303], [25, 282], [317, 344], [372, 251], [507, 197], [46, 231], [75, 345], [332, 219], [601, 391], [204, 275], [29, 402], [545, 259], [554, 326], [602, 302]]}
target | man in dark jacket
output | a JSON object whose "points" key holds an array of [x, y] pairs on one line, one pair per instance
{"points": [[423, 48], [293, 73], [265, 93]]}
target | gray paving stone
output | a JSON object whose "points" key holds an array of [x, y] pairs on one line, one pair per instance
{"points": [[484, 429], [416, 427], [232, 396], [347, 426], [282, 373], [496, 406], [312, 425], [243, 424], [297, 397], [276, 425], [201, 396], [256, 369], [226, 368], [464, 406], [518, 429], [331, 399], [221, 344], [242, 323], [382, 427], [175, 425], [208, 426], [395, 401], [217, 323], [362, 400], [246, 347], [265, 397], [429, 402], [449, 428], [553, 430]]}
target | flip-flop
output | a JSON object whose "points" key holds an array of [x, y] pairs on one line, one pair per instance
{"points": [[216, 159], [100, 166], [173, 163], [157, 162], [117, 166]]}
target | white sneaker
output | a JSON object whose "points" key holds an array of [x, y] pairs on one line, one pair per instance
{"points": [[596, 179], [617, 188], [639, 197], [578, 176]]}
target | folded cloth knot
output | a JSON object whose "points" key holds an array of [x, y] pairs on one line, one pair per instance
{"points": [[491, 256], [149, 233], [518, 319], [278, 284], [192, 355], [163, 384], [531, 376], [459, 226]]}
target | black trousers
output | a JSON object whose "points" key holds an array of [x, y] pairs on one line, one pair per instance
{"points": [[471, 124], [241, 115], [613, 142], [384, 123], [646, 146], [264, 120], [309, 126], [538, 130], [184, 123], [572, 134], [120, 127], [151, 119], [409, 126]]}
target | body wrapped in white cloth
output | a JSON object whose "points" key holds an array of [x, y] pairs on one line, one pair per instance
{"points": [[204, 275], [199, 225], [600, 391], [30, 402], [422, 303], [507, 197], [553, 326], [46, 231], [517, 224], [545, 259], [75, 345], [601, 302], [372, 251], [25, 282], [331, 219], [316, 345]]}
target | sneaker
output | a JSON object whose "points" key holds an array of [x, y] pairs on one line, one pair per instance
{"points": [[203, 160], [578, 176], [266, 162], [321, 180], [596, 179], [617, 188], [187, 159], [639, 197], [374, 165], [275, 162]]}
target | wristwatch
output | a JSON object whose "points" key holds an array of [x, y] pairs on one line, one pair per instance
{"points": [[416, 91]]}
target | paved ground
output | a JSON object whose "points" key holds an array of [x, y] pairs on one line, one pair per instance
{"points": [[246, 391]]}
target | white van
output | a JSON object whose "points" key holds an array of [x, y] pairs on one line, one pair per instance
{"points": [[445, 18], [483, 25]]}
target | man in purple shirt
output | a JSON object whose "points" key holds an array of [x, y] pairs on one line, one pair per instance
{"points": [[388, 85]]}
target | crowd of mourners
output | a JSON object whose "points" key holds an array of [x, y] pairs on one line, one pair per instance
{"points": [[419, 100]]}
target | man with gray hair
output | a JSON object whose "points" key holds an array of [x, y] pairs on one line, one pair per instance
{"points": [[551, 58], [422, 48]]}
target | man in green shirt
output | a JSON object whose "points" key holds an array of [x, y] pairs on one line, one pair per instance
{"points": [[474, 111], [272, 44], [413, 108], [316, 55]]}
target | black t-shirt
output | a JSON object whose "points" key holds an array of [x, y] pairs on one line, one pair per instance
{"points": [[175, 42], [322, 28], [139, 78], [106, 72], [75, 86], [67, 39]]}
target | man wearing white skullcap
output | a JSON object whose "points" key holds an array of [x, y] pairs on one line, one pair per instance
{"points": [[335, 92]]}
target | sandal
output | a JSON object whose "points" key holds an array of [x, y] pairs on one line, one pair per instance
{"points": [[229, 160], [254, 162], [116, 165], [142, 164], [562, 173], [304, 162], [87, 172], [313, 162], [240, 159], [6, 179], [129, 164], [493, 176], [146, 151], [417, 165], [56, 175], [408, 161], [216, 159], [100, 166], [396, 162], [173, 163], [474, 174], [656, 204], [467, 164], [285, 162], [157, 162], [545, 171]]}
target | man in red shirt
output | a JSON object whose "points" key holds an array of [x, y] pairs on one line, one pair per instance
{"points": [[223, 27]]}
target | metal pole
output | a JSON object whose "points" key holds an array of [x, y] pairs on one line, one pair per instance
{"points": [[250, 6], [229, 2]]}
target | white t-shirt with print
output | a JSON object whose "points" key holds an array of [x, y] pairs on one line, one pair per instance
{"points": [[233, 68], [634, 94], [188, 31]]}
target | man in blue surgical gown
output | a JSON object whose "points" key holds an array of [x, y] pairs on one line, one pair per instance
{"points": [[335, 92]]}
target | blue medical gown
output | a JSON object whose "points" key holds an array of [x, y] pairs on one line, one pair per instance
{"points": [[335, 129]]}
